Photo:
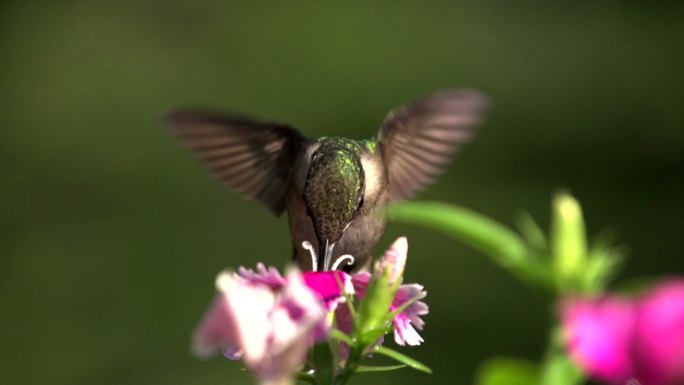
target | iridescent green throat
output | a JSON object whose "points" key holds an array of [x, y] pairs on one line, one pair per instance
{"points": [[334, 187]]}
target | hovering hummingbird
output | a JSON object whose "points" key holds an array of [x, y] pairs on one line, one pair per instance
{"points": [[334, 189]]}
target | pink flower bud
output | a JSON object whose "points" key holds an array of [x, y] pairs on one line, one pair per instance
{"points": [[394, 260]]}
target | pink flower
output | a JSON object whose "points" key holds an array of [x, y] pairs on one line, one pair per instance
{"points": [[598, 336], [616, 339], [408, 320], [269, 324], [329, 286], [658, 347]]}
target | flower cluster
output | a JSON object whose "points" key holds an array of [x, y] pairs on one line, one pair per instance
{"points": [[616, 339], [270, 322]]}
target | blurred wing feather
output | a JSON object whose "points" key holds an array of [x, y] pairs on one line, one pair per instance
{"points": [[418, 140], [253, 158]]}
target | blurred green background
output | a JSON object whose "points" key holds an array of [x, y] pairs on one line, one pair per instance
{"points": [[112, 234]]}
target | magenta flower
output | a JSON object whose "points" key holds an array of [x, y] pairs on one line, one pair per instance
{"points": [[329, 286], [658, 347], [267, 321], [616, 339], [598, 336]]}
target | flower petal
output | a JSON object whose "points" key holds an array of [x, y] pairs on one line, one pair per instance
{"points": [[263, 275], [216, 331], [394, 260], [408, 320], [598, 336], [404, 333], [303, 309], [360, 283], [293, 321], [267, 320], [659, 336], [248, 306], [330, 286]]}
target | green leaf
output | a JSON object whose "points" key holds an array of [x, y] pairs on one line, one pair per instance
{"points": [[480, 232], [338, 335], [306, 377], [324, 363], [533, 234], [559, 370], [507, 371], [406, 360], [372, 369], [557, 367], [374, 309], [602, 266], [490, 237]]}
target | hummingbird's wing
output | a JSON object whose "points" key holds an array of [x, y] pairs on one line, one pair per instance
{"points": [[419, 139], [252, 157]]}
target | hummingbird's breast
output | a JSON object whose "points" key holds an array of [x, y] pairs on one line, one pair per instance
{"points": [[367, 225]]}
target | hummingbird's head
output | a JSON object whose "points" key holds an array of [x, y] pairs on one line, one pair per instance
{"points": [[333, 192]]}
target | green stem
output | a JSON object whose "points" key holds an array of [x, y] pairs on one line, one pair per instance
{"points": [[353, 362], [557, 368]]}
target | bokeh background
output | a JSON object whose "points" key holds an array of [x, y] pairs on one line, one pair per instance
{"points": [[111, 234]]}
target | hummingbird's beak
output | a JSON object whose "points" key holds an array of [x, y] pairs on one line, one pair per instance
{"points": [[325, 254]]}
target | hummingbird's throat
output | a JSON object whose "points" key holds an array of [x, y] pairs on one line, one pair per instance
{"points": [[327, 258]]}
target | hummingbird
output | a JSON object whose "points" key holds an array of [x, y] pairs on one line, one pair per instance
{"points": [[334, 189]]}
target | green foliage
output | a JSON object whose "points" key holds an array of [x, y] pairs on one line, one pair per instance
{"points": [[404, 359], [568, 242], [559, 370], [371, 369], [507, 371], [324, 363], [373, 320], [602, 265], [578, 267], [533, 234], [502, 244]]}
